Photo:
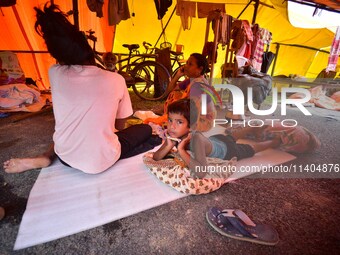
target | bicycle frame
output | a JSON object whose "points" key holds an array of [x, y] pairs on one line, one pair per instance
{"points": [[148, 78]]}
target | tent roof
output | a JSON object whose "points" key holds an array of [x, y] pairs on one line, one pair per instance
{"points": [[331, 5]]}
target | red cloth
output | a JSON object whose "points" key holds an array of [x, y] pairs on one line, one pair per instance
{"points": [[247, 30], [242, 37]]}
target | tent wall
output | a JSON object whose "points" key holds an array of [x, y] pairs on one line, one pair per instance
{"points": [[17, 33], [290, 60]]}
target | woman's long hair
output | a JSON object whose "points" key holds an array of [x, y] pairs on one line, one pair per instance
{"points": [[64, 41]]}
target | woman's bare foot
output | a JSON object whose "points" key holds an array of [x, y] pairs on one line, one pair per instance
{"points": [[18, 165]]}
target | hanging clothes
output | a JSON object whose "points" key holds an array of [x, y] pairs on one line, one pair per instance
{"points": [[257, 48], [261, 37], [242, 38], [162, 7], [335, 51], [224, 29], [186, 10], [267, 59], [208, 51], [203, 9], [96, 6], [118, 10]]}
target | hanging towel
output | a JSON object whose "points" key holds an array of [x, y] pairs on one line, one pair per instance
{"points": [[118, 10], [186, 10], [224, 29]]}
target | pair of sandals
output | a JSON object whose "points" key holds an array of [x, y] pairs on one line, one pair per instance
{"points": [[236, 224]]}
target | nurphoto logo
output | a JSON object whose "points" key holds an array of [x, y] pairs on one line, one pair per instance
{"points": [[239, 105]]}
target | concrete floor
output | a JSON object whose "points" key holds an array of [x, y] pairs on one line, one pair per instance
{"points": [[303, 208]]}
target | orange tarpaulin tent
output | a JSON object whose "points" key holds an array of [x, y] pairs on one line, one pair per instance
{"points": [[17, 34]]}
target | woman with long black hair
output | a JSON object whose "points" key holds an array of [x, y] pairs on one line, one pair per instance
{"points": [[90, 104]]}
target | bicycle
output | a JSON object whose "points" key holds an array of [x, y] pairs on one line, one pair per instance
{"points": [[176, 58], [148, 79]]}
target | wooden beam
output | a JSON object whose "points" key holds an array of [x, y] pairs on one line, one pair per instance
{"points": [[256, 7], [276, 56], [245, 8], [304, 47]]}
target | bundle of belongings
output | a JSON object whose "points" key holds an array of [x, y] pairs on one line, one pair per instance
{"points": [[261, 83], [15, 95], [319, 98]]}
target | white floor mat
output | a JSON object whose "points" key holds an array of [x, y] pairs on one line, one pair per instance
{"points": [[64, 201]]}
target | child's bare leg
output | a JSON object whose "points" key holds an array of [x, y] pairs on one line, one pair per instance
{"points": [[261, 146], [18, 165]]}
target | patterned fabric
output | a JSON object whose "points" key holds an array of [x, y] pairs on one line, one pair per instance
{"points": [[257, 48], [335, 51], [174, 173], [10, 69], [261, 37]]}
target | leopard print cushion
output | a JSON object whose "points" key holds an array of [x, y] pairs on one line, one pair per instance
{"points": [[174, 173]]}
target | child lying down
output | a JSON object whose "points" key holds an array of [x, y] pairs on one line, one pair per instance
{"points": [[182, 117], [183, 170], [218, 149]]}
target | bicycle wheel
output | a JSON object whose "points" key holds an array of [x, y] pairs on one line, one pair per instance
{"points": [[151, 80]]}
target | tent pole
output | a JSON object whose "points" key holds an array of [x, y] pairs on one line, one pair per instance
{"points": [[217, 28], [276, 56], [250, 1], [75, 13], [304, 47], [256, 7], [167, 23]]}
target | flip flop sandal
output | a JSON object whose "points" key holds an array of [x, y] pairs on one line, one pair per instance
{"points": [[236, 224]]}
